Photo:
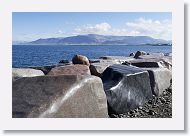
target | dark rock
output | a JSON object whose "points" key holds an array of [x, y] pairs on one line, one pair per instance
{"points": [[94, 61], [126, 87], [94, 71], [79, 59], [70, 96], [168, 54], [70, 70], [64, 61], [132, 54], [152, 109], [139, 53], [150, 63], [151, 112]]}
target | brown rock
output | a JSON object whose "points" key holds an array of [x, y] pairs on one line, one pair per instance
{"points": [[66, 96], [79, 59], [70, 70]]}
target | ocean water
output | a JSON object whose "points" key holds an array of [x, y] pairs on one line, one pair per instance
{"points": [[41, 55]]}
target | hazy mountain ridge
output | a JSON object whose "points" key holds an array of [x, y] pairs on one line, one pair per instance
{"points": [[94, 39]]}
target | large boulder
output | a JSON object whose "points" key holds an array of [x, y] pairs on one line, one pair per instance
{"points": [[167, 60], [66, 96], [160, 79], [44, 69], [98, 68], [139, 53], [70, 70], [79, 59], [151, 56], [25, 72], [126, 87], [150, 63]]}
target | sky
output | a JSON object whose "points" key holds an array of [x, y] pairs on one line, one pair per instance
{"points": [[29, 26]]}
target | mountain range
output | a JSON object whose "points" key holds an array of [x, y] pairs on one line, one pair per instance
{"points": [[94, 39]]}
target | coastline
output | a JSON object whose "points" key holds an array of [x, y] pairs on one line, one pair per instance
{"points": [[109, 72]]}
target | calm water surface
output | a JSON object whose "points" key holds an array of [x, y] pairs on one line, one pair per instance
{"points": [[41, 55]]}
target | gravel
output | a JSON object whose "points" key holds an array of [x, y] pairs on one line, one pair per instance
{"points": [[157, 107]]}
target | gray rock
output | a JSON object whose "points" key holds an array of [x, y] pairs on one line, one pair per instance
{"points": [[98, 68], [67, 96], [119, 59], [79, 59], [160, 79], [44, 69], [151, 63], [168, 54], [94, 60], [152, 56], [25, 72], [126, 87], [76, 69], [139, 53], [167, 61], [64, 61]]}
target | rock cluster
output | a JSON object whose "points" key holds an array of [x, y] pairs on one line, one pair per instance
{"points": [[134, 86]]}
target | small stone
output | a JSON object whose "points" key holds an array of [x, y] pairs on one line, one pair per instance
{"points": [[132, 54], [63, 61], [140, 107], [131, 112], [151, 112], [150, 101], [113, 116], [163, 100]]}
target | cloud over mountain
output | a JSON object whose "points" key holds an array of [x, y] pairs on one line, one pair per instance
{"points": [[139, 27]]}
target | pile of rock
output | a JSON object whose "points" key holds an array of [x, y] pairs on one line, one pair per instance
{"points": [[111, 85]]}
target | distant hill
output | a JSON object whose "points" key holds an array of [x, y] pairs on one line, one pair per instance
{"points": [[94, 39]]}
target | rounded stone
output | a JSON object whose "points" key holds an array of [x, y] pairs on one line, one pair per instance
{"points": [[79, 59]]}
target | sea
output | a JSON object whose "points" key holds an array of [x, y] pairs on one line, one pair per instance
{"points": [[44, 55]]}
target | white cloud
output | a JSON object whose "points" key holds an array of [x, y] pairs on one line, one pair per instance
{"points": [[154, 28], [60, 32], [139, 27], [102, 28]]}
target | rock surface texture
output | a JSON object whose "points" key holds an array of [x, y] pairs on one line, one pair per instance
{"points": [[160, 79], [70, 70], [126, 87], [157, 107], [68, 96], [25, 72], [119, 59], [98, 68], [151, 63]]}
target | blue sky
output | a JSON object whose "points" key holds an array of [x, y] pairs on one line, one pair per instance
{"points": [[28, 26]]}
